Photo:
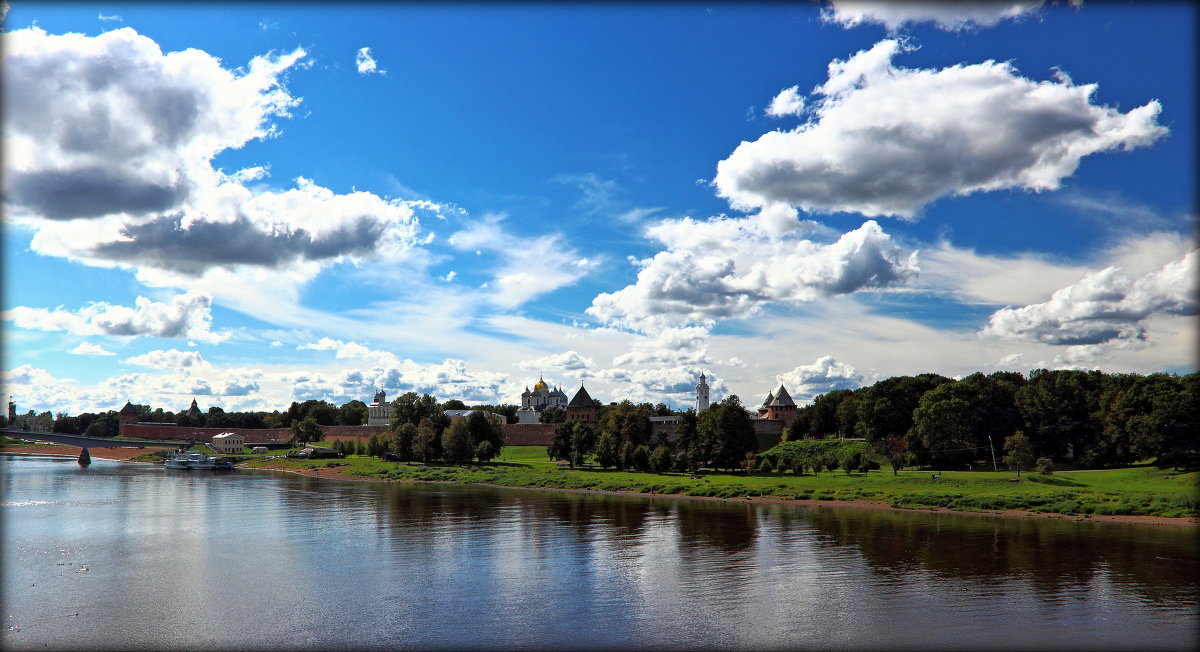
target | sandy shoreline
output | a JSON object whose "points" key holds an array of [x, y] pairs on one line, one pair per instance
{"points": [[334, 473]]}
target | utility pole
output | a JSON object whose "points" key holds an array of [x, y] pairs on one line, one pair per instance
{"points": [[994, 467]]}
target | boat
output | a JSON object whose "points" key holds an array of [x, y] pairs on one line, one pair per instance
{"points": [[182, 459]]}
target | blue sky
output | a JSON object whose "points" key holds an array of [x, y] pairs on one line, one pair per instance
{"points": [[258, 204]]}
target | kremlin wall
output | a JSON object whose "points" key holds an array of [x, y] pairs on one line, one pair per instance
{"points": [[775, 413]]}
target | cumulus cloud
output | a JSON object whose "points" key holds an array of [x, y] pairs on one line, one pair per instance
{"points": [[875, 144], [1102, 307], [805, 382], [670, 347], [789, 101], [109, 145], [948, 16], [366, 63], [528, 266], [168, 359], [567, 361], [187, 315], [690, 283], [87, 348]]}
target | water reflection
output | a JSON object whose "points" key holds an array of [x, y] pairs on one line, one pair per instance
{"points": [[314, 564]]}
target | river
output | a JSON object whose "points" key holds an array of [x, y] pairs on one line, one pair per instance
{"points": [[135, 556]]}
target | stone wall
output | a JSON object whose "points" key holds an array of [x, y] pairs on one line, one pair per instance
{"points": [[252, 435], [528, 434]]}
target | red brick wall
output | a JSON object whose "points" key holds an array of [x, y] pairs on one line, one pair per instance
{"points": [[528, 434], [252, 435]]}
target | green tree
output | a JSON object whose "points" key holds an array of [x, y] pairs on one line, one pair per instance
{"points": [[886, 408], [353, 413], [552, 414], [483, 429], [411, 408], [895, 451], [660, 458], [427, 445], [457, 447], [306, 430], [607, 450], [583, 442], [1018, 453], [402, 441], [735, 433], [453, 404], [1060, 409], [560, 443]]}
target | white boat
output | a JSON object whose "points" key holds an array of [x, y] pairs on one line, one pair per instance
{"points": [[182, 459]]}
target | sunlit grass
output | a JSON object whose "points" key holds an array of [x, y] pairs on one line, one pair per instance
{"points": [[1139, 490]]}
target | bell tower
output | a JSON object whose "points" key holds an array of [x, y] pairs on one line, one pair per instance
{"points": [[701, 394]]}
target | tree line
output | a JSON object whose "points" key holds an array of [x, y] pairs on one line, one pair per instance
{"points": [[1096, 419]]}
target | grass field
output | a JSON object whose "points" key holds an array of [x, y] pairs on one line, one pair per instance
{"points": [[1144, 490]]}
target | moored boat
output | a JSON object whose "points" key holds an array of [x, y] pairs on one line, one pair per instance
{"points": [[182, 459]]}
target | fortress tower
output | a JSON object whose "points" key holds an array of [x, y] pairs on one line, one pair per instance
{"points": [[701, 395]]}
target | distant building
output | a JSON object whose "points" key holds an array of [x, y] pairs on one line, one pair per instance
{"points": [[228, 443], [701, 395], [379, 412], [582, 407], [542, 397]]}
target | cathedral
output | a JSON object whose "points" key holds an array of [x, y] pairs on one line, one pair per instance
{"points": [[542, 397]]}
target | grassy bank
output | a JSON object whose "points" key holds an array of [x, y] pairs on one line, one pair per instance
{"points": [[1142, 490]]}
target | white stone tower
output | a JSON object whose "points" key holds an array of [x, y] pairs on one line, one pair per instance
{"points": [[701, 395]]}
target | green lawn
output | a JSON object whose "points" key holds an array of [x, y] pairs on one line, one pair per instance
{"points": [[1138, 490]]}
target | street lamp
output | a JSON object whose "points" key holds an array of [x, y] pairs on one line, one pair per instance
{"points": [[994, 467]]}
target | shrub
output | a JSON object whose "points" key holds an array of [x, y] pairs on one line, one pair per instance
{"points": [[1043, 466]]}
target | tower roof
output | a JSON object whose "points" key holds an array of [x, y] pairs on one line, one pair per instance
{"points": [[770, 397], [128, 409], [782, 398], [582, 399]]}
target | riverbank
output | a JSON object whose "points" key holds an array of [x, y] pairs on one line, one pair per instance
{"points": [[506, 476]]}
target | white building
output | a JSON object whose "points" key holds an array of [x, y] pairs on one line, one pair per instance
{"points": [[701, 395], [379, 412], [228, 443], [542, 397]]}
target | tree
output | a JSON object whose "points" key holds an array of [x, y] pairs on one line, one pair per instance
{"points": [[583, 442], [411, 408], [560, 443], [894, 450], [427, 445], [353, 413], [483, 429], [402, 441], [886, 408], [457, 447], [1018, 453], [660, 458], [552, 414], [735, 432], [607, 450], [453, 404], [306, 430]]}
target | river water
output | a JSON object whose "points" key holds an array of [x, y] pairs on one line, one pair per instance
{"points": [[133, 556]]}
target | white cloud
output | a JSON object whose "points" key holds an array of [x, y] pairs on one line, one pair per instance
{"points": [[567, 361], [87, 348], [805, 382], [187, 315], [669, 347], [529, 266], [1104, 306], [789, 101], [691, 283], [948, 16], [169, 359], [366, 63], [876, 145], [109, 145]]}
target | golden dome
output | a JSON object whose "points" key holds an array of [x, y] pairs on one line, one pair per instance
{"points": [[541, 386]]}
